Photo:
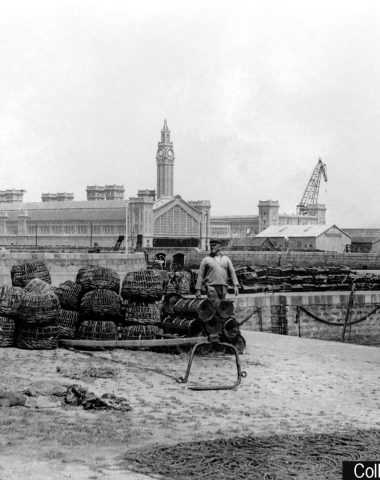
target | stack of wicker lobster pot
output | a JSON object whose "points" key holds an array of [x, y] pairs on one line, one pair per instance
{"points": [[189, 317], [141, 293], [289, 278], [100, 307], [29, 308]]}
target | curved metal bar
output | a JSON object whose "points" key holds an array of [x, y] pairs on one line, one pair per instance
{"points": [[240, 374]]}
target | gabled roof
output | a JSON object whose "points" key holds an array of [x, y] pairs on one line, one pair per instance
{"points": [[165, 203], [289, 231]]}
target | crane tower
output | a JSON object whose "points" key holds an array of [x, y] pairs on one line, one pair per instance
{"points": [[310, 196]]}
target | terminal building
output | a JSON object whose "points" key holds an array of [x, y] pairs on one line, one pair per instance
{"points": [[153, 218]]}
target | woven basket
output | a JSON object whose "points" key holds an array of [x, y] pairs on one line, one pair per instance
{"points": [[37, 337], [67, 323], [39, 308], [102, 305], [7, 332], [39, 286], [139, 332], [144, 312], [97, 278], [179, 282], [82, 271], [10, 300], [69, 294], [97, 330], [142, 284], [22, 274]]}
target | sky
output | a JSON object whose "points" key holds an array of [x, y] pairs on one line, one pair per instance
{"points": [[254, 92]]}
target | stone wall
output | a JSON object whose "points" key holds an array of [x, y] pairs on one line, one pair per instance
{"points": [[64, 266], [358, 261], [280, 314]]}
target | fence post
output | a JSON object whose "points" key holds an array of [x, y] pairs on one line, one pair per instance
{"points": [[349, 309]]}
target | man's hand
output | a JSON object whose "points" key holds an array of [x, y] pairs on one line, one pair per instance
{"points": [[236, 288], [198, 294]]}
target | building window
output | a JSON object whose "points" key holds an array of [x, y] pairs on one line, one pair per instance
{"points": [[82, 229], [69, 229]]}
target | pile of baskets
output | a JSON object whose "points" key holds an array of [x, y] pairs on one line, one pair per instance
{"points": [[100, 309], [30, 308], [141, 292], [291, 278]]}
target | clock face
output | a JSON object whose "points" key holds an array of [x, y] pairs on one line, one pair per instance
{"points": [[170, 153], [160, 153]]}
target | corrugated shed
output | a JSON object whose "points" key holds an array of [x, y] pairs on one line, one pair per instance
{"points": [[298, 231]]}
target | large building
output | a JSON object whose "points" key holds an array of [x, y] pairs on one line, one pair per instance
{"points": [[239, 226], [67, 223]]}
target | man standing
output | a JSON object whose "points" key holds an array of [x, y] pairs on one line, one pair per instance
{"points": [[214, 272]]}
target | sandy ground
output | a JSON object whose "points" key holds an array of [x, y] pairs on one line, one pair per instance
{"points": [[293, 385]]}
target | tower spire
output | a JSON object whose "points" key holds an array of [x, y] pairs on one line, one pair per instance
{"points": [[165, 164], [165, 133]]}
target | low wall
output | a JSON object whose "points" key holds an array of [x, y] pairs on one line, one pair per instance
{"points": [[281, 314], [64, 266], [358, 261]]}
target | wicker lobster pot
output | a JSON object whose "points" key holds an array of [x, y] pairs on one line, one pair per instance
{"points": [[97, 330], [69, 294], [143, 312], [82, 271], [39, 286], [10, 300], [179, 282], [22, 274], [39, 308], [67, 323], [139, 332], [189, 327], [7, 332], [37, 337], [98, 277], [102, 305], [142, 285]]}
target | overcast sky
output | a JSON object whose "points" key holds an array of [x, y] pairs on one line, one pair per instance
{"points": [[254, 92]]}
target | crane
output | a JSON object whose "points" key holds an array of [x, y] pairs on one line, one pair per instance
{"points": [[310, 196]]}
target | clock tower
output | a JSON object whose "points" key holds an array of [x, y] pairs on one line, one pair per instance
{"points": [[165, 164]]}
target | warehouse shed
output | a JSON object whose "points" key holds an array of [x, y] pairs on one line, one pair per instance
{"points": [[328, 238]]}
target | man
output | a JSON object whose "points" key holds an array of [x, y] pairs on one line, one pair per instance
{"points": [[214, 272]]}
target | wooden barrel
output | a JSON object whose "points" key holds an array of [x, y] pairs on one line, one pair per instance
{"points": [[225, 308], [169, 301], [239, 343], [203, 308], [215, 325], [190, 327], [231, 328]]}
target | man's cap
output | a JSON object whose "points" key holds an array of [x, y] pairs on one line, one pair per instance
{"points": [[215, 241]]}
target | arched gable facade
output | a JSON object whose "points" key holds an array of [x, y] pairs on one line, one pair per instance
{"points": [[176, 223]]}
